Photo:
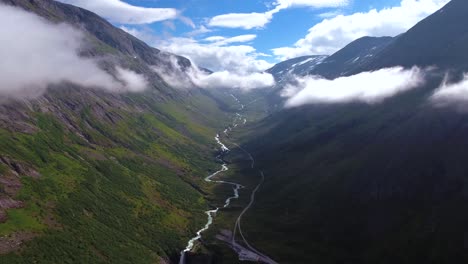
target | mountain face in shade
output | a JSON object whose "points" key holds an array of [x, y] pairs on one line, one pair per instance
{"points": [[297, 66], [380, 183], [354, 55], [439, 40], [341, 63], [431, 42]]}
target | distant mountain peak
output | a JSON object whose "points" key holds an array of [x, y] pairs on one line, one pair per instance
{"points": [[296, 66]]}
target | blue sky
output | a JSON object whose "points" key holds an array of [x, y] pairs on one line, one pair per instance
{"points": [[251, 35], [286, 27]]}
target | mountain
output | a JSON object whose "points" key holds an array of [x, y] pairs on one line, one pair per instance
{"points": [[354, 55], [93, 176], [297, 66], [345, 61], [112, 45], [430, 42], [369, 183]]}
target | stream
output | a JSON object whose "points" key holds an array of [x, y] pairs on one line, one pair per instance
{"points": [[245, 253]]}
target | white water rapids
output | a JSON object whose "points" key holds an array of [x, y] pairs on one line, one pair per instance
{"points": [[212, 213], [249, 253]]}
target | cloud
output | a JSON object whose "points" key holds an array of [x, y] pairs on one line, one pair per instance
{"points": [[259, 20], [225, 79], [311, 3], [219, 40], [330, 35], [199, 31], [367, 87], [242, 20], [120, 12], [217, 55], [194, 77], [48, 54], [455, 94], [214, 53], [144, 33], [130, 80], [234, 66]]}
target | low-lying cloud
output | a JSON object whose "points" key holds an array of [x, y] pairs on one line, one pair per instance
{"points": [[194, 77], [227, 79], [366, 87], [36, 54], [451, 94], [130, 81]]}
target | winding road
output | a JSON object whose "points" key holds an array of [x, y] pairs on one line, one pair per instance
{"points": [[247, 252]]}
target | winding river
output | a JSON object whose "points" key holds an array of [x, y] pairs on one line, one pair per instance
{"points": [[248, 252], [212, 213]]}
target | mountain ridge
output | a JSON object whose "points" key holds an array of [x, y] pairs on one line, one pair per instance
{"points": [[89, 175], [369, 183]]}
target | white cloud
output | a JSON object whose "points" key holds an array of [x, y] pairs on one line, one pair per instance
{"points": [[225, 79], [242, 20], [451, 94], [194, 77], [234, 66], [187, 21], [213, 53], [259, 20], [333, 34], [220, 40], [311, 3], [142, 32], [120, 12], [217, 56], [367, 87], [48, 54], [131, 81], [199, 31], [331, 14]]}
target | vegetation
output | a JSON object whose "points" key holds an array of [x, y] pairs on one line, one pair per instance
{"points": [[123, 193]]}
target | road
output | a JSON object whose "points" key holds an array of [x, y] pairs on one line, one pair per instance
{"points": [[237, 226]]}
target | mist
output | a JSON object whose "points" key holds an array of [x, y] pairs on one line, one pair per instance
{"points": [[195, 77], [225, 79], [36, 54], [451, 94], [366, 87]]}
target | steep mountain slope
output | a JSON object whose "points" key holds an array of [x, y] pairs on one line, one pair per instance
{"points": [[430, 42], [110, 44], [381, 183], [354, 55], [345, 61], [296, 66], [90, 176]]}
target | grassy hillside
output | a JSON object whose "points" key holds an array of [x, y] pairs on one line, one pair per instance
{"points": [[98, 183]]}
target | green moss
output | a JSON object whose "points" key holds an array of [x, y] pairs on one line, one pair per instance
{"points": [[122, 193], [23, 219]]}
